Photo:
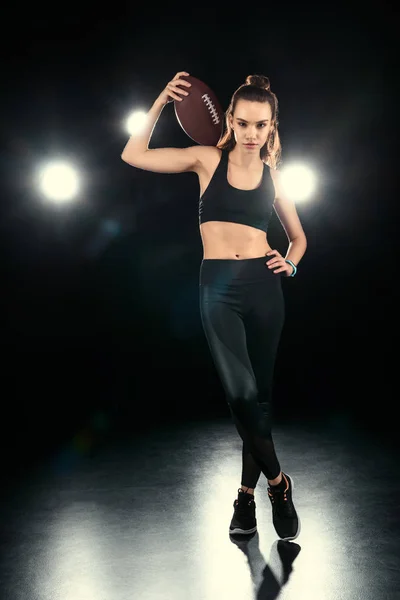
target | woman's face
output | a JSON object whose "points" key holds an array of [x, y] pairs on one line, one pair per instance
{"points": [[251, 124]]}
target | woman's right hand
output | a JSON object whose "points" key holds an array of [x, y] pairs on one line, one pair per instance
{"points": [[172, 91]]}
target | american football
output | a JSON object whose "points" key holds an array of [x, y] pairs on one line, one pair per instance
{"points": [[200, 114]]}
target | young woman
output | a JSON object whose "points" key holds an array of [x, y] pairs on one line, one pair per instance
{"points": [[241, 298]]}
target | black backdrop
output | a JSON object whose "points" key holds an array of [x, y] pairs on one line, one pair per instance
{"points": [[101, 329]]}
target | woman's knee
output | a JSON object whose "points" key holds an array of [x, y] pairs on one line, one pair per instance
{"points": [[250, 413], [243, 399]]}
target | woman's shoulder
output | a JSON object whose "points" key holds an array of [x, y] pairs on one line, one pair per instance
{"points": [[209, 152], [208, 156], [274, 171], [277, 181]]}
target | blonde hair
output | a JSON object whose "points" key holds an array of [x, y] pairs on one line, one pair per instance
{"points": [[255, 89]]}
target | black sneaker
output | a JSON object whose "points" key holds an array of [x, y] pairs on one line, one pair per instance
{"points": [[284, 515], [244, 518]]}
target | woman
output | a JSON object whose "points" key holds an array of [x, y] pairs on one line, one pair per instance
{"points": [[241, 299]]}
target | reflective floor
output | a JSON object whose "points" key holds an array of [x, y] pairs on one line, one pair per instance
{"points": [[146, 517]]}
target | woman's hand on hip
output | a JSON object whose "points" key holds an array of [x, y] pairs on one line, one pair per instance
{"points": [[278, 262]]}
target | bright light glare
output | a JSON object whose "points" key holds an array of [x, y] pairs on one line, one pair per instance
{"points": [[59, 181], [136, 122], [299, 182]]}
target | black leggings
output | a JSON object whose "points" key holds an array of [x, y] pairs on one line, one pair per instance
{"points": [[242, 311]]}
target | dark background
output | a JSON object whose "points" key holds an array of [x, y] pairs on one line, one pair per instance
{"points": [[101, 329]]}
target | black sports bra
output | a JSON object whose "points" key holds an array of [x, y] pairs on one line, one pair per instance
{"points": [[223, 202]]}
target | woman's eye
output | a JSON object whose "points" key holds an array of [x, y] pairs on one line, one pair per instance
{"points": [[260, 124]]}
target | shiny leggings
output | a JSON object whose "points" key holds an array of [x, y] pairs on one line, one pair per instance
{"points": [[242, 312]]}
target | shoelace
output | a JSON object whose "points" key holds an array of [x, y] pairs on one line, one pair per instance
{"points": [[242, 509], [242, 505], [280, 500]]}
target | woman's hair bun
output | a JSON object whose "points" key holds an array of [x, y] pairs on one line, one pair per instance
{"points": [[258, 81]]}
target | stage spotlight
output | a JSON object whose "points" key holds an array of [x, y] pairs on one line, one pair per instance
{"points": [[58, 181], [299, 181], [135, 122]]}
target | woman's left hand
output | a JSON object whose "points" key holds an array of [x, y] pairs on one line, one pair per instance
{"points": [[277, 260]]}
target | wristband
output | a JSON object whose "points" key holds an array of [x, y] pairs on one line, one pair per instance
{"points": [[294, 267]]}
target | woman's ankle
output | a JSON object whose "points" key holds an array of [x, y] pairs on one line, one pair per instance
{"points": [[276, 481], [247, 490]]}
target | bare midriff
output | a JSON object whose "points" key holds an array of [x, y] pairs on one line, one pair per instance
{"points": [[232, 241]]}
